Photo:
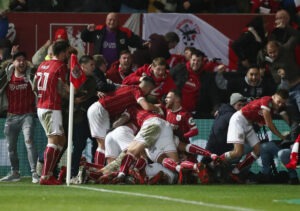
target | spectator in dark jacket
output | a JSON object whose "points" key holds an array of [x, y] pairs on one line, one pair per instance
{"points": [[99, 74], [110, 39], [251, 86], [217, 139], [250, 42]]}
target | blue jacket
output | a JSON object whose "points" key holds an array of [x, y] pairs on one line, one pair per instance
{"points": [[3, 27]]}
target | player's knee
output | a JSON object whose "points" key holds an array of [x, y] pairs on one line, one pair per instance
{"points": [[136, 149], [237, 153]]}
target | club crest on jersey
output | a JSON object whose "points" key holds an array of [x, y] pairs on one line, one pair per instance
{"points": [[191, 121], [241, 136], [178, 117]]}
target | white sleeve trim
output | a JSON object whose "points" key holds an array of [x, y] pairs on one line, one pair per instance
{"points": [[265, 108], [139, 99]]}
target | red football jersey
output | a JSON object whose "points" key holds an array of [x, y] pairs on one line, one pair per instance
{"points": [[175, 59], [182, 123], [116, 74], [190, 92], [21, 98], [48, 76], [253, 110], [118, 101], [163, 86]]}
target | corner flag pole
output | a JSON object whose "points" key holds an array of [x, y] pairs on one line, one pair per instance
{"points": [[70, 134]]}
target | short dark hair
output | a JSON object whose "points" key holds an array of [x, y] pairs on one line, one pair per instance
{"points": [[251, 66], [149, 80], [99, 60], [189, 48], [19, 53], [59, 47], [283, 93], [177, 93], [198, 53], [125, 52], [85, 59], [172, 37]]}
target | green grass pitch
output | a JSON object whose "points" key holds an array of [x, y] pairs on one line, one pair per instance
{"points": [[26, 196]]}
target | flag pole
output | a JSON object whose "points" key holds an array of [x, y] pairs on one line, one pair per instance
{"points": [[70, 134]]}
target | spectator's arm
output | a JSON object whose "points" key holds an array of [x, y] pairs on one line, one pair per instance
{"points": [[284, 84], [40, 54], [87, 35], [133, 78], [102, 84], [136, 41], [294, 39], [239, 46], [221, 81]]}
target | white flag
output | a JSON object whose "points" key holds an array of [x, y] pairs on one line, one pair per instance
{"points": [[192, 31]]}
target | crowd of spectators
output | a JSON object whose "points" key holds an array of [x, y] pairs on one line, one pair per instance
{"points": [[133, 6]]}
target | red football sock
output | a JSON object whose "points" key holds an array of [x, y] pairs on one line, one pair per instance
{"points": [[99, 158], [57, 156], [250, 158], [187, 165], [294, 155], [194, 149], [126, 163], [49, 159], [169, 164], [293, 161], [140, 164]]}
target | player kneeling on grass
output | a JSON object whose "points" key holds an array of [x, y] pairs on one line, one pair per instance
{"points": [[240, 130]]}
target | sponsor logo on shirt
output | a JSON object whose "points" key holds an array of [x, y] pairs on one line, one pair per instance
{"points": [[111, 45], [13, 87]]}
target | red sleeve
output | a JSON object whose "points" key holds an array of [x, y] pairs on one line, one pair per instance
{"points": [[127, 31], [168, 85], [190, 123], [191, 133], [113, 73], [266, 102], [134, 78], [138, 94], [210, 66], [99, 27]]}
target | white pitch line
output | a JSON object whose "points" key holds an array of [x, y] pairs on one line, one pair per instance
{"points": [[199, 203]]}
